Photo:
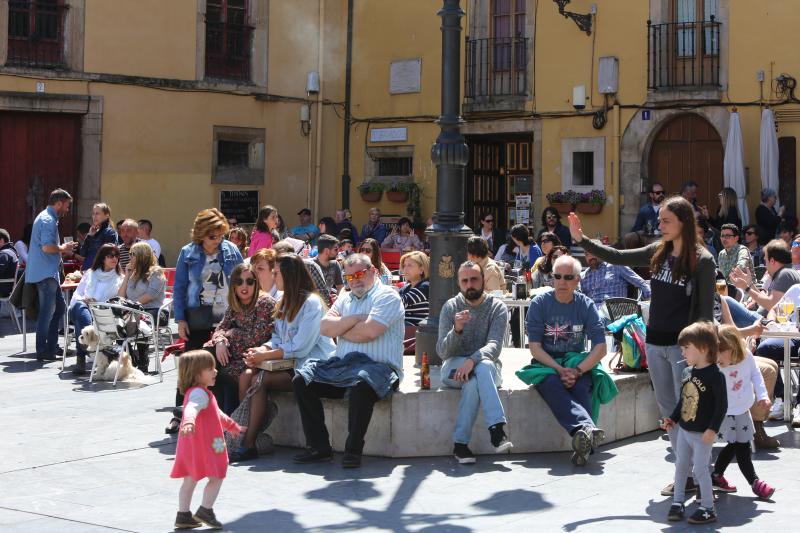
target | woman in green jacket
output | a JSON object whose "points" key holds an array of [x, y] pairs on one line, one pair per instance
{"points": [[682, 288]]}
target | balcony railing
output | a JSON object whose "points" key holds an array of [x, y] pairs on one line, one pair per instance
{"points": [[683, 54], [496, 67], [228, 50], [36, 33]]}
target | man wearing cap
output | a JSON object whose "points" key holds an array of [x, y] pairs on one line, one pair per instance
{"points": [[306, 231]]}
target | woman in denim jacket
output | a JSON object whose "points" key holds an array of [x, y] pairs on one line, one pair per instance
{"points": [[100, 233], [202, 277]]}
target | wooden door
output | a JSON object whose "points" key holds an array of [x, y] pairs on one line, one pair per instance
{"points": [[485, 187], [688, 148], [787, 173], [39, 152]]}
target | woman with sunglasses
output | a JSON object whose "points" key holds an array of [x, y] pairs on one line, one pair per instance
{"points": [[543, 276], [682, 292], [247, 323], [489, 233], [296, 335], [547, 240], [551, 221], [98, 284], [202, 278], [371, 248]]}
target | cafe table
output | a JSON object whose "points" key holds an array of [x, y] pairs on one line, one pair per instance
{"points": [[787, 332]]}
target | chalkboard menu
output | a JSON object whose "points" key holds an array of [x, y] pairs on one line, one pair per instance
{"points": [[240, 204]]}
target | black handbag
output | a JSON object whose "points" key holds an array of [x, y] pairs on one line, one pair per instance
{"points": [[200, 318]]}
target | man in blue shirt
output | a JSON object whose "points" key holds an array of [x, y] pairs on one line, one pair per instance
{"points": [[603, 280], [44, 263], [305, 231], [559, 322]]}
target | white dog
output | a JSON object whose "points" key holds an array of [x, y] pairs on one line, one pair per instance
{"points": [[106, 369]]}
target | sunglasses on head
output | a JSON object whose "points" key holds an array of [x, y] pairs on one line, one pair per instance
{"points": [[241, 281], [356, 275], [566, 277]]}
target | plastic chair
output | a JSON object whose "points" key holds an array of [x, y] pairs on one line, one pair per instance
{"points": [[105, 322], [619, 307], [391, 258]]}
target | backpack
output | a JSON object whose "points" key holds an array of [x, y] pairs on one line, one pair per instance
{"points": [[631, 356]]}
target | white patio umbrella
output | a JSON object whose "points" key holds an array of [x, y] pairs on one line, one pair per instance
{"points": [[733, 166], [769, 152]]}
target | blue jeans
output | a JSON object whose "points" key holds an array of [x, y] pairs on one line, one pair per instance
{"points": [[741, 315], [51, 312], [479, 391], [80, 316], [571, 407]]}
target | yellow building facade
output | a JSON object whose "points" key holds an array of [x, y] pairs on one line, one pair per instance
{"points": [[164, 108]]}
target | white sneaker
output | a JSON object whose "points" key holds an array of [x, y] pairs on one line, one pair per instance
{"points": [[776, 412], [796, 417]]}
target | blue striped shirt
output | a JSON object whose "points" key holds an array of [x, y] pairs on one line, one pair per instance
{"points": [[382, 304]]}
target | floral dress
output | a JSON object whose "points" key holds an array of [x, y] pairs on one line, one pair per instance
{"points": [[240, 331]]}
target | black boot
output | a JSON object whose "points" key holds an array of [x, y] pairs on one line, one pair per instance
{"points": [[80, 366], [142, 361]]}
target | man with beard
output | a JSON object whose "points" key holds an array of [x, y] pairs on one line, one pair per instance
{"points": [[368, 323], [559, 323], [603, 280], [647, 219], [472, 325], [128, 236]]}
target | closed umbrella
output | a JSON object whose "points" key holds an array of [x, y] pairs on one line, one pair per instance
{"points": [[733, 166], [769, 152]]}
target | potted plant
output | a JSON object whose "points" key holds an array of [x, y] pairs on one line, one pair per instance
{"points": [[560, 201], [398, 192], [592, 202], [371, 191]]}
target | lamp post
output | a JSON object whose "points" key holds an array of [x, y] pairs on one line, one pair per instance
{"points": [[448, 234]]}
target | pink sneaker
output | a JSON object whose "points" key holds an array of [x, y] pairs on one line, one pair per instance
{"points": [[721, 484], [763, 490]]}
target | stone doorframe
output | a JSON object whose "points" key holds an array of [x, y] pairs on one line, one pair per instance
{"points": [[91, 109], [635, 154]]}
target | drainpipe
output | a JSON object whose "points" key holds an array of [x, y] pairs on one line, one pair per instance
{"points": [[320, 70], [616, 171], [347, 83]]}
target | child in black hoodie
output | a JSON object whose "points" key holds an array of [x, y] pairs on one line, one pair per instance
{"points": [[699, 415]]}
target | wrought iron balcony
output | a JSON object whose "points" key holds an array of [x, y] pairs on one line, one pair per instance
{"points": [[683, 54], [228, 50], [36, 33], [496, 67]]}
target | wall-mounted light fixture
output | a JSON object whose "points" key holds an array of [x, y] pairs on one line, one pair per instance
{"points": [[584, 22]]}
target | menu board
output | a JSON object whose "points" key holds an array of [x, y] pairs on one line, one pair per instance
{"points": [[240, 204]]}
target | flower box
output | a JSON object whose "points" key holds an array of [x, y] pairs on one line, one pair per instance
{"points": [[399, 197], [561, 207], [588, 209], [372, 196]]}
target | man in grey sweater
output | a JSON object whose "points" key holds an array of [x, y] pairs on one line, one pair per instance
{"points": [[472, 325]]}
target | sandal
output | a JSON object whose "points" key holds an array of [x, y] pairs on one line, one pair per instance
{"points": [[173, 426]]}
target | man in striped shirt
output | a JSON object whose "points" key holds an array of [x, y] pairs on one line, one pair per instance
{"points": [[128, 236], [368, 324]]}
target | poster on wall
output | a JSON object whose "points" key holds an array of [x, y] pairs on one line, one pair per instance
{"points": [[242, 205], [523, 208]]}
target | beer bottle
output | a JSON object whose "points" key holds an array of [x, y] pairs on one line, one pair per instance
{"points": [[425, 373]]}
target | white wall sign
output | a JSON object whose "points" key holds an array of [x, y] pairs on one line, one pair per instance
{"points": [[404, 76], [380, 135]]}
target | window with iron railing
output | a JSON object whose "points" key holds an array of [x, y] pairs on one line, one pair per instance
{"points": [[228, 38], [395, 166], [36, 33], [496, 67]]}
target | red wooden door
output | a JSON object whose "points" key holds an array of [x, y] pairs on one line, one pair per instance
{"points": [[689, 148], [39, 152]]}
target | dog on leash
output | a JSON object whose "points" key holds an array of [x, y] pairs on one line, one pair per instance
{"points": [[106, 368]]}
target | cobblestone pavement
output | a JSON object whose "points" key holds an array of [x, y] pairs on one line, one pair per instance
{"points": [[81, 457]]}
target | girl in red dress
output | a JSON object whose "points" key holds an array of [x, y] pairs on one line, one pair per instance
{"points": [[201, 445]]}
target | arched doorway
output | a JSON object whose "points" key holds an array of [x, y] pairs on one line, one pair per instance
{"points": [[688, 148]]}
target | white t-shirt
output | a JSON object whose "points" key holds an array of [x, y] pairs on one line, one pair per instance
{"points": [[742, 381]]}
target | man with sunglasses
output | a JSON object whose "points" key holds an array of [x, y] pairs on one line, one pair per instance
{"points": [[560, 323], [649, 211], [472, 326], [368, 324], [751, 243]]}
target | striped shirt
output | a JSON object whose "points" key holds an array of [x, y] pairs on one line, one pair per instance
{"points": [[383, 305], [415, 301]]}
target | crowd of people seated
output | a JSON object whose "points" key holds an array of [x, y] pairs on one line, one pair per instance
{"points": [[344, 320]]}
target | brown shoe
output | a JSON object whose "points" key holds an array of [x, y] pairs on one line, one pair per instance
{"points": [[762, 440], [207, 517], [669, 490], [185, 520]]}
